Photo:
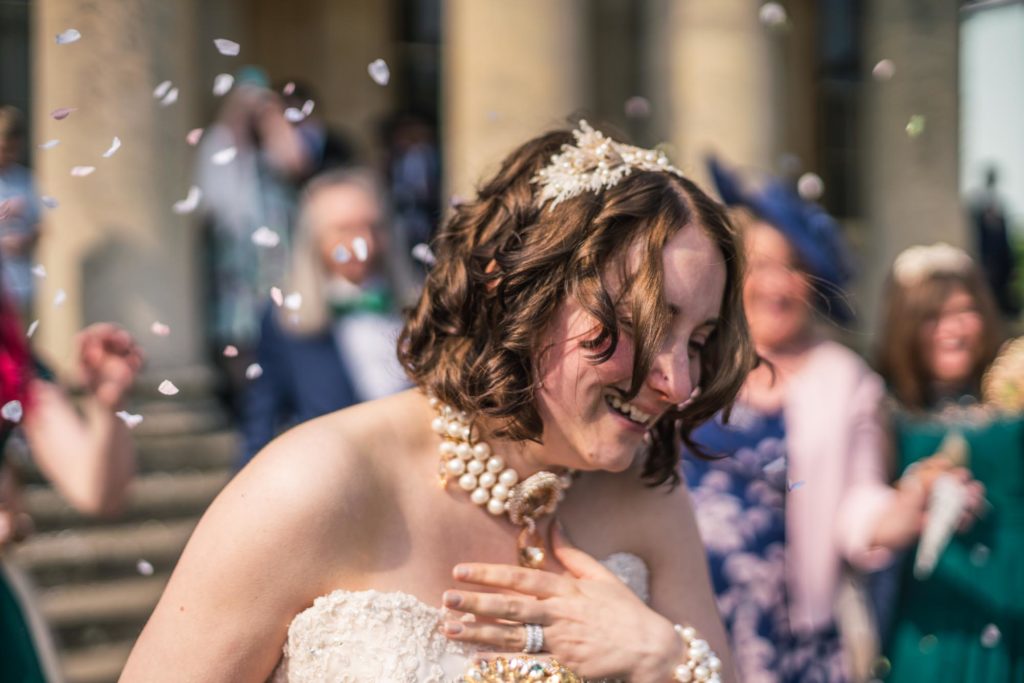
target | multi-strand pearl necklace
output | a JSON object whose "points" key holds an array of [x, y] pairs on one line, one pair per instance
{"points": [[490, 484]]}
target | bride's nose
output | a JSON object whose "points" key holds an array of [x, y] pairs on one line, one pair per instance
{"points": [[671, 377]]}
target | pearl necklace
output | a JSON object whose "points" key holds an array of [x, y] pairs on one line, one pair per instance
{"points": [[490, 484]]}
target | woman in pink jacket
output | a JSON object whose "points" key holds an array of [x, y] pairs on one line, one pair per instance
{"points": [[804, 491]]}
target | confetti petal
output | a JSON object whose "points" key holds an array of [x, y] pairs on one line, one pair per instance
{"points": [[170, 98], [638, 107], [62, 113], [222, 84], [793, 486], [69, 36], [810, 186], [293, 301], [39, 270], [253, 371], [276, 295], [307, 107], [33, 326], [114, 146], [160, 329], [193, 136], [82, 171], [189, 203], [884, 70], [360, 249], [49, 202], [288, 88], [224, 156], [341, 254], [915, 126], [293, 115], [265, 237], [49, 144], [226, 47], [12, 411], [772, 15], [379, 72], [230, 351], [422, 253], [130, 419], [990, 636], [162, 89], [143, 567], [167, 388], [60, 297]]}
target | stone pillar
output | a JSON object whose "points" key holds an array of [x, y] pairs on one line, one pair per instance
{"points": [[114, 245], [910, 183], [510, 70], [714, 75]]}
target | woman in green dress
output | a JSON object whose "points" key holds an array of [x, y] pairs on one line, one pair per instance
{"points": [[959, 617]]}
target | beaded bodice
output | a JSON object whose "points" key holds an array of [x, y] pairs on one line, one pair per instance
{"points": [[370, 636]]}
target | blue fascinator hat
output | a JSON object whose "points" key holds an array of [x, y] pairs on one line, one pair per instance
{"points": [[813, 233]]}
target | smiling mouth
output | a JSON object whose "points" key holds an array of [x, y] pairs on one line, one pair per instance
{"points": [[629, 411]]}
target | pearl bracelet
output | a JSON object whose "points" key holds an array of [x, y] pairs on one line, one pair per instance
{"points": [[700, 663]]}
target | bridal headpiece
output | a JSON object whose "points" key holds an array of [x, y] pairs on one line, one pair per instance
{"points": [[594, 163]]}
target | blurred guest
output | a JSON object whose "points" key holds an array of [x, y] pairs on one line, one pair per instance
{"points": [[333, 342], [86, 453], [803, 490], [250, 189], [993, 243], [326, 148], [414, 176], [963, 618], [19, 212]]}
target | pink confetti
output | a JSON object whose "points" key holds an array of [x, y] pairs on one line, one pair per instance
{"points": [[160, 329], [62, 113], [230, 351], [193, 136]]}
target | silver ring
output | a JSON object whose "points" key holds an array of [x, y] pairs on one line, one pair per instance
{"points": [[534, 639]]}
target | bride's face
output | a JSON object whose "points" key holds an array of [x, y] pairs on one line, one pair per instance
{"points": [[582, 428]]}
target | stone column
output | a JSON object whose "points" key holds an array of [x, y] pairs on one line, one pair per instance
{"points": [[910, 182], [714, 82], [113, 245], [510, 70]]}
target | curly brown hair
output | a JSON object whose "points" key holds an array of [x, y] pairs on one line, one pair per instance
{"points": [[504, 265]]}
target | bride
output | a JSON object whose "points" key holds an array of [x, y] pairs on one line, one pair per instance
{"points": [[582, 317]]}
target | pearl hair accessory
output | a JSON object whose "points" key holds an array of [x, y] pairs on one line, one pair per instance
{"points": [[594, 163], [701, 664], [915, 264], [490, 484]]}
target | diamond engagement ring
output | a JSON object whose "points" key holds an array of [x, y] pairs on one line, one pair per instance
{"points": [[534, 639]]}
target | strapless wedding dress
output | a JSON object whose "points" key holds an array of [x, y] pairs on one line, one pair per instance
{"points": [[373, 636]]}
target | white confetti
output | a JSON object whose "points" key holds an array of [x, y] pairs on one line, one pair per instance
{"points": [[228, 48], [222, 84], [772, 14], [776, 466], [379, 71], [224, 156], [794, 485], [884, 70], [990, 636], [69, 36], [39, 270], [422, 253], [62, 113], [12, 411], [293, 115], [60, 297], [360, 248], [130, 419], [33, 326], [638, 107], [288, 88], [193, 136], [341, 254], [307, 107], [979, 555], [167, 388], [276, 295], [82, 171], [189, 203], [253, 371], [293, 301], [230, 351], [160, 329], [49, 202], [143, 567], [50, 144], [161, 90], [114, 146], [265, 237], [170, 98], [810, 186]]}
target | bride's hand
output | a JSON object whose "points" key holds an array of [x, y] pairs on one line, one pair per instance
{"points": [[593, 623]]}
